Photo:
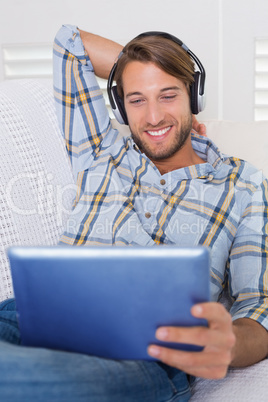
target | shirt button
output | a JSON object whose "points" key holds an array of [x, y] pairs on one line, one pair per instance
{"points": [[163, 182], [148, 215]]}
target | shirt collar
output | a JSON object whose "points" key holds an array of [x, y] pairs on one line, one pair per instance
{"points": [[207, 151]]}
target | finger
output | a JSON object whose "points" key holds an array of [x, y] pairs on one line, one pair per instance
{"points": [[201, 336], [215, 313], [202, 130], [190, 359], [193, 362], [219, 322]]}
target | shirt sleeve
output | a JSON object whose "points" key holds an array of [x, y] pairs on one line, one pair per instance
{"points": [[80, 106], [248, 276]]}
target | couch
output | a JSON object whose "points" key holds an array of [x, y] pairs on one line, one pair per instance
{"points": [[37, 189]]}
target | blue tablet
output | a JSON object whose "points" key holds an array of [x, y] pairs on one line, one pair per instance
{"points": [[107, 301]]}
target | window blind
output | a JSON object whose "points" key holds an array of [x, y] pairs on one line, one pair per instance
{"points": [[27, 61], [261, 79], [35, 61]]}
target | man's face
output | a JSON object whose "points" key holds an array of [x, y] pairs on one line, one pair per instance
{"points": [[158, 110]]}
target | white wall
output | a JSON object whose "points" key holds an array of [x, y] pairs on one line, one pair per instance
{"points": [[220, 32]]}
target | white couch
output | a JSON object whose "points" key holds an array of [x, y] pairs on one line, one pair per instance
{"points": [[37, 189]]}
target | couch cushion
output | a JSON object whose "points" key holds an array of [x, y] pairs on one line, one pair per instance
{"points": [[241, 384]]}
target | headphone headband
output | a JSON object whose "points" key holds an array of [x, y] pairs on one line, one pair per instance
{"points": [[180, 43], [197, 88]]}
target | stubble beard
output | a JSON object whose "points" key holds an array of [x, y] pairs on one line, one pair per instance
{"points": [[162, 152]]}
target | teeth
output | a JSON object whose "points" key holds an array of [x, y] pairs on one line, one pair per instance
{"points": [[159, 132]]}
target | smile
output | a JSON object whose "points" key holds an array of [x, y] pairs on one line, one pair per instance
{"points": [[157, 133]]}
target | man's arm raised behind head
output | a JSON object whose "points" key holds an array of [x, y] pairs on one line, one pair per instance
{"points": [[102, 52], [81, 111]]}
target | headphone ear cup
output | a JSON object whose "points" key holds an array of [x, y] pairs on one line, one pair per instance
{"points": [[119, 111], [195, 93]]}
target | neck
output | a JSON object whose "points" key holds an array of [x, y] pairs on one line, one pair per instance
{"points": [[185, 157]]}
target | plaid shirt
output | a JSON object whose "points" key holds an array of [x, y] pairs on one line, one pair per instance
{"points": [[122, 199]]}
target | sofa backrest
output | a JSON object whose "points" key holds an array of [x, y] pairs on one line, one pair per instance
{"points": [[36, 183]]}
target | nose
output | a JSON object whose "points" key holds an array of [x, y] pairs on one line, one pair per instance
{"points": [[154, 113]]}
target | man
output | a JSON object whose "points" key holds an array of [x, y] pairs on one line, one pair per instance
{"points": [[159, 116], [162, 186]]}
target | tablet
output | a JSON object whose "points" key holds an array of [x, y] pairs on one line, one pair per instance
{"points": [[107, 301]]}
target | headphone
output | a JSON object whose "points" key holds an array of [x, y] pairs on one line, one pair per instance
{"points": [[197, 90]]}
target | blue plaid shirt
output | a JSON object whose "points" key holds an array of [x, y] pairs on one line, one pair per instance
{"points": [[122, 199]]}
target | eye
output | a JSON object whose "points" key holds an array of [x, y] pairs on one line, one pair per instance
{"points": [[168, 97], [136, 102]]}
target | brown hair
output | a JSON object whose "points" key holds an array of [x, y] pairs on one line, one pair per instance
{"points": [[164, 53]]}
